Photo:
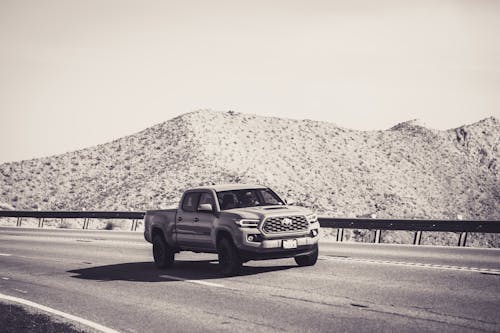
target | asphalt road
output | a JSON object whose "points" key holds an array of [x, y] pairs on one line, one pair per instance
{"points": [[108, 277]]}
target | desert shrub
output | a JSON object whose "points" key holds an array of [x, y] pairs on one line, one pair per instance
{"points": [[110, 225], [64, 225]]}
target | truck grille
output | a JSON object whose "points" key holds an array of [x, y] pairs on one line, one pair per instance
{"points": [[276, 224]]}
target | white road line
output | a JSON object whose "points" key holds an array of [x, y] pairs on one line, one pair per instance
{"points": [[5, 278], [204, 283], [83, 321], [414, 264], [21, 291], [5, 255]]}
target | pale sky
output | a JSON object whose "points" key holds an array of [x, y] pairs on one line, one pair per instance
{"points": [[76, 73]]}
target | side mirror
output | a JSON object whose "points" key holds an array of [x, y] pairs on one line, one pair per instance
{"points": [[289, 202], [206, 208]]}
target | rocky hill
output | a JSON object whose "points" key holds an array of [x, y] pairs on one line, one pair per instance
{"points": [[404, 172]]}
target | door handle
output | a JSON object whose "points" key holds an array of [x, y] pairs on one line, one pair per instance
{"points": [[196, 219], [179, 218]]}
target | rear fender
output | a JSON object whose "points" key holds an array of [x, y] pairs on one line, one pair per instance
{"points": [[163, 223]]}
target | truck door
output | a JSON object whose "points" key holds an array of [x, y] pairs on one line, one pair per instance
{"points": [[186, 215], [204, 224]]}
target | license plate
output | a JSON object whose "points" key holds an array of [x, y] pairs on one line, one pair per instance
{"points": [[289, 243]]}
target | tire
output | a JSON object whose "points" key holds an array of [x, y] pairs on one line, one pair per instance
{"points": [[162, 253], [229, 260], [308, 260]]}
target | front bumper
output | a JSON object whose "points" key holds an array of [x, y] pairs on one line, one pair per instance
{"points": [[271, 246], [278, 253]]}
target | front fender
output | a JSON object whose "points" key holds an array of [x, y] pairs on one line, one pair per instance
{"points": [[226, 230]]}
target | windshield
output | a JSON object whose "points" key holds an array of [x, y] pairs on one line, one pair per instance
{"points": [[248, 198]]}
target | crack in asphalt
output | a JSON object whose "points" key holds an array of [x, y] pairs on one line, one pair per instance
{"points": [[402, 315], [244, 321], [454, 316]]}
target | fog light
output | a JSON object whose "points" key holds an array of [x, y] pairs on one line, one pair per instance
{"points": [[314, 232], [250, 238]]}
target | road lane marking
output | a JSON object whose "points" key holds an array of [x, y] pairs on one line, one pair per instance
{"points": [[204, 283], [5, 278], [80, 320], [5, 254], [413, 264]]}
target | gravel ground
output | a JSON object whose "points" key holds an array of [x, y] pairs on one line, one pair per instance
{"points": [[16, 319]]}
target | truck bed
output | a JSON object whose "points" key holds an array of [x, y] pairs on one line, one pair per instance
{"points": [[161, 217]]}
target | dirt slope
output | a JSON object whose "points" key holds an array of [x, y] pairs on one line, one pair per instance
{"points": [[406, 171]]}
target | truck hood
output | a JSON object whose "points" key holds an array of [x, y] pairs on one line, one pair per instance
{"points": [[262, 212]]}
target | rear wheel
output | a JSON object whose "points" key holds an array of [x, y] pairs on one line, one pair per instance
{"points": [[162, 253], [229, 260], [308, 260]]}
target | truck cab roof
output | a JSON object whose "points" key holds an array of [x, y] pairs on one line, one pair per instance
{"points": [[228, 187]]}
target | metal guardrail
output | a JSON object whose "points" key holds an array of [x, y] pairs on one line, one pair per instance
{"points": [[416, 225], [412, 225], [86, 215], [72, 214]]}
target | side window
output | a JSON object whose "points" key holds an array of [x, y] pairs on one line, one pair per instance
{"points": [[206, 198], [190, 201], [227, 200]]}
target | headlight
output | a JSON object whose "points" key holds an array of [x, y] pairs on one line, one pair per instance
{"points": [[247, 223], [312, 218]]}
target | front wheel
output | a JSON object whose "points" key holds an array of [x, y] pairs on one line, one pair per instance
{"points": [[162, 252], [229, 260], [308, 260]]}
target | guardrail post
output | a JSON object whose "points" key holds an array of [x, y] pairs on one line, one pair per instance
{"points": [[340, 234], [85, 223], [132, 227], [417, 238], [462, 239], [377, 236], [39, 222], [19, 220]]}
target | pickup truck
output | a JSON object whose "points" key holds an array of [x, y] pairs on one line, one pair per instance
{"points": [[238, 222]]}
